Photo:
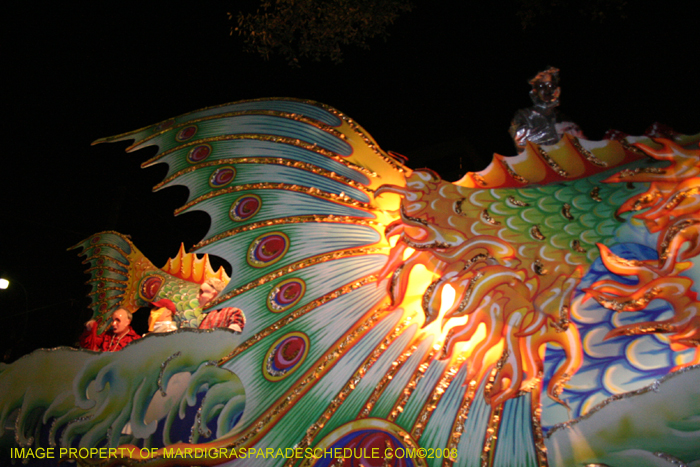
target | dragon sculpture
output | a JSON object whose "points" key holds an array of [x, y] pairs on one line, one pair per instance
{"points": [[541, 312]]}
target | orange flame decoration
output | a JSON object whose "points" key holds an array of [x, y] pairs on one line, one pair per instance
{"points": [[506, 310], [189, 267], [508, 306], [672, 209]]}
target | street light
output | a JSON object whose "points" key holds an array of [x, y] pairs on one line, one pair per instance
{"points": [[4, 284]]}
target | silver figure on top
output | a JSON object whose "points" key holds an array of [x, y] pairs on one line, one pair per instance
{"points": [[542, 123]]}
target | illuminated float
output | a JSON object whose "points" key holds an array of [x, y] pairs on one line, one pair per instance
{"points": [[541, 312]]}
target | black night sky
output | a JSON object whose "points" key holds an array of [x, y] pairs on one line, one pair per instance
{"points": [[441, 90]]}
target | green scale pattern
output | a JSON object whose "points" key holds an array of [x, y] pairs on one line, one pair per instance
{"points": [[592, 221]]}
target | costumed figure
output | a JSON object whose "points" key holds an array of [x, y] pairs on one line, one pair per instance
{"points": [[231, 318], [119, 334], [542, 123], [161, 317]]}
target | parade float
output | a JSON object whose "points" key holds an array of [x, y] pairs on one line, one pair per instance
{"points": [[541, 312]]}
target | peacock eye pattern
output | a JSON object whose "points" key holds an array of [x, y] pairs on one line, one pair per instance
{"points": [[199, 153], [287, 294], [245, 207], [286, 355], [268, 249], [222, 176]]}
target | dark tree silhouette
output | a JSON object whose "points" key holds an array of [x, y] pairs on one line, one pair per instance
{"points": [[322, 29], [315, 29]]}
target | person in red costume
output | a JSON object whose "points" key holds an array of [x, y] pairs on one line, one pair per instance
{"points": [[230, 318], [161, 319], [119, 334]]}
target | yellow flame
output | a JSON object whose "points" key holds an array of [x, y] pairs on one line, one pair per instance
{"points": [[466, 348], [419, 280], [448, 298]]}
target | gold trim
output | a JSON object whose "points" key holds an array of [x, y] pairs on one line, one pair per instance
{"points": [[381, 387], [103, 267], [625, 173], [275, 139], [269, 113], [538, 436], [629, 305], [539, 268], [287, 221], [110, 258], [516, 202], [468, 293], [587, 154], [633, 149], [286, 320], [460, 420], [576, 246], [680, 196], [295, 267], [418, 374], [670, 233], [491, 438], [566, 211], [344, 199], [350, 386], [269, 161], [486, 217], [536, 234], [551, 162], [123, 136], [495, 419], [371, 144], [262, 424], [102, 279], [517, 177], [431, 404]]}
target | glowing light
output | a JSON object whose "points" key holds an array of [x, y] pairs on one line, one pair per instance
{"points": [[466, 348], [4, 283], [494, 353], [448, 298], [447, 301]]}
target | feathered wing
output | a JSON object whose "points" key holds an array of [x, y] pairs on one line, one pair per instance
{"points": [[290, 188], [280, 180]]}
